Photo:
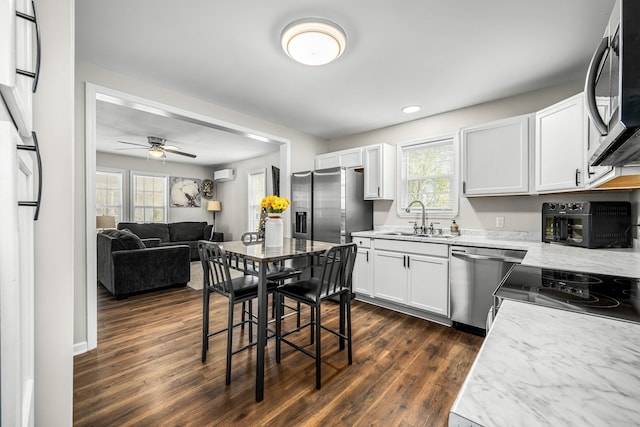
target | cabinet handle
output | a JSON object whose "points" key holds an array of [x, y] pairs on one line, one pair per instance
{"points": [[408, 262], [378, 191], [34, 75], [404, 261], [35, 148], [577, 177], [464, 187], [367, 256]]}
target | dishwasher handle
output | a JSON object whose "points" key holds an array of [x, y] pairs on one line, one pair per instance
{"points": [[463, 255]]}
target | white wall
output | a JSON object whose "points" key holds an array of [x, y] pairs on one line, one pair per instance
{"points": [[56, 253], [521, 213], [303, 149], [232, 219], [126, 163]]}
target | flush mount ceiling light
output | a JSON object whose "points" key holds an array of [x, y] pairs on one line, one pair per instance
{"points": [[313, 41], [157, 152], [411, 109]]}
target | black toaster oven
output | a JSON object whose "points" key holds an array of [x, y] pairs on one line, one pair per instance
{"points": [[587, 224]]}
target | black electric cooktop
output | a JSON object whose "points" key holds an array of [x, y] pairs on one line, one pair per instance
{"points": [[598, 294]]}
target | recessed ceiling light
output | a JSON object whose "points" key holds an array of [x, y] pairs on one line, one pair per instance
{"points": [[313, 41], [411, 109]]}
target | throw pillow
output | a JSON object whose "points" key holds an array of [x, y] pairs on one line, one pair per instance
{"points": [[130, 240]]}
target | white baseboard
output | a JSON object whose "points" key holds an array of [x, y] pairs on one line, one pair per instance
{"points": [[80, 348]]}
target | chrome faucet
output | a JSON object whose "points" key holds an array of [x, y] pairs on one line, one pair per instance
{"points": [[423, 228]]}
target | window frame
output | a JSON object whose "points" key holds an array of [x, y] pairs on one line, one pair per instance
{"points": [[124, 212], [250, 197], [132, 192], [402, 184]]}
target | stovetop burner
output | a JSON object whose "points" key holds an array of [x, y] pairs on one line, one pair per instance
{"points": [[604, 295]]}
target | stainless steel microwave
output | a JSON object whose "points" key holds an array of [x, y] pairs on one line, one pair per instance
{"points": [[612, 89]]}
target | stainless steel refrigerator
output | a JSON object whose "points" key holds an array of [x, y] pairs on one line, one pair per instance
{"points": [[328, 204]]}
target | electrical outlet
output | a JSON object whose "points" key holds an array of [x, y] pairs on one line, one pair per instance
{"points": [[499, 222]]}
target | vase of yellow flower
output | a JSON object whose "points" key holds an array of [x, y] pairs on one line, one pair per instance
{"points": [[274, 227]]}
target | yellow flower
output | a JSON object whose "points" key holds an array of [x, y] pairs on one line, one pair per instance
{"points": [[275, 204]]}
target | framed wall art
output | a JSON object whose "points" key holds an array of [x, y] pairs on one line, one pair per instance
{"points": [[185, 192]]}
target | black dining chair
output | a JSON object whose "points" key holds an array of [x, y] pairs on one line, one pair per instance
{"points": [[217, 279], [335, 281]]}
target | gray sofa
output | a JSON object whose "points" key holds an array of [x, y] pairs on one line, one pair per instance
{"points": [[175, 233], [128, 264]]}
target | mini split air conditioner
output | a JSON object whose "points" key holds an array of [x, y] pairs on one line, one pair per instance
{"points": [[224, 175]]}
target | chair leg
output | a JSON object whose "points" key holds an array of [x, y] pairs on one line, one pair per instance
{"points": [[298, 314], [318, 348], [205, 323], [243, 318], [348, 309], [229, 342], [250, 302], [278, 297], [312, 329], [341, 321]]}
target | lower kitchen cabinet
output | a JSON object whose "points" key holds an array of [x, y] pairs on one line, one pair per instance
{"points": [[412, 273], [362, 275]]}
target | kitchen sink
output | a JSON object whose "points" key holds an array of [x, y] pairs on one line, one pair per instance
{"points": [[406, 233]]}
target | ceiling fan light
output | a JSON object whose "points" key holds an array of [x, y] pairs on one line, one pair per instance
{"points": [[157, 153], [313, 41]]}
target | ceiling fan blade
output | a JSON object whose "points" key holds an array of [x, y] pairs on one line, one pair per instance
{"points": [[169, 150], [134, 143], [132, 148], [171, 147]]}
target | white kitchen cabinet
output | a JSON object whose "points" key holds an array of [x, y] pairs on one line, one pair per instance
{"points": [[17, 64], [427, 277], [496, 157], [593, 139], [412, 273], [560, 146], [16, 281], [362, 270], [350, 158], [379, 172]]}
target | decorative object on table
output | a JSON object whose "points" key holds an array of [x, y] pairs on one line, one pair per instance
{"points": [[261, 222], [214, 206], [105, 221], [274, 228], [185, 192], [207, 189]]}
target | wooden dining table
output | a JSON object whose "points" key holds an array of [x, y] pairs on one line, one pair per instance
{"points": [[263, 256]]}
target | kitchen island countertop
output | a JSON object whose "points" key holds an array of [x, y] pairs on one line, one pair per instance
{"points": [[542, 366]]}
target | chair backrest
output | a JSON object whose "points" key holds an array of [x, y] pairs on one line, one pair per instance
{"points": [[251, 237], [337, 269], [215, 267]]}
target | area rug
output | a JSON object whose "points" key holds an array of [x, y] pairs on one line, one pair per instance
{"points": [[196, 275]]}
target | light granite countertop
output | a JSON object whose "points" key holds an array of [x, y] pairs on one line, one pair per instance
{"points": [[620, 262], [541, 366]]}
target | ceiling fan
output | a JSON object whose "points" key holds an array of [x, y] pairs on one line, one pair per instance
{"points": [[157, 148]]}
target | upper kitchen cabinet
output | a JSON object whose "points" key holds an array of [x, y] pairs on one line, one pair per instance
{"points": [[379, 172], [560, 146], [351, 158], [496, 157], [18, 68]]}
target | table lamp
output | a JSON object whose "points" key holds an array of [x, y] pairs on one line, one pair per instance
{"points": [[105, 221]]}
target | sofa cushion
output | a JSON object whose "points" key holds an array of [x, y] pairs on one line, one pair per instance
{"points": [[186, 231], [147, 230]]}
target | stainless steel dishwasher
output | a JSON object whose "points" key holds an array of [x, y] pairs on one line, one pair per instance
{"points": [[475, 274]]}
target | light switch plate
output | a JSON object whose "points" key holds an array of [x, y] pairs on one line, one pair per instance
{"points": [[499, 222]]}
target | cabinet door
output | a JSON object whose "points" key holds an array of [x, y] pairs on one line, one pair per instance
{"points": [[428, 279], [329, 160], [351, 158], [593, 140], [16, 52], [390, 279], [560, 146], [16, 282], [362, 283], [379, 172], [495, 158]]}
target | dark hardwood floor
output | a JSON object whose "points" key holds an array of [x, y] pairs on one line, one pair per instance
{"points": [[147, 371]]}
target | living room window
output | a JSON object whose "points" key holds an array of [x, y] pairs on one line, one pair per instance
{"points": [[109, 200], [149, 197], [256, 190], [428, 172]]}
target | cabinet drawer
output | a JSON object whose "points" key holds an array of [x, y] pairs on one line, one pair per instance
{"points": [[421, 248], [362, 242]]}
